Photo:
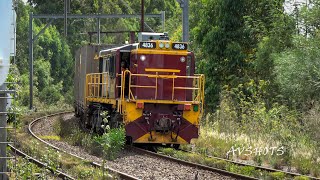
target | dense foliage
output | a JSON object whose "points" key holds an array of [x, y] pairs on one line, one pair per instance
{"points": [[53, 52], [235, 36]]}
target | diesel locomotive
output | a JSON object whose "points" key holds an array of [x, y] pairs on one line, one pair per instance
{"points": [[150, 88]]}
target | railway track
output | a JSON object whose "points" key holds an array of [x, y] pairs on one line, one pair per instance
{"points": [[194, 165], [40, 164], [292, 174], [142, 164], [121, 175]]}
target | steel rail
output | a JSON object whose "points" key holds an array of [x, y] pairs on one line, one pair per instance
{"points": [[198, 166], [257, 167], [94, 164], [40, 164]]}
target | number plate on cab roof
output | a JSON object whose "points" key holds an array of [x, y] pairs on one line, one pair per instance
{"points": [[180, 46], [148, 45]]}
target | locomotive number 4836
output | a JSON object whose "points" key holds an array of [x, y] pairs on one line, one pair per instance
{"points": [[148, 45], [179, 46]]}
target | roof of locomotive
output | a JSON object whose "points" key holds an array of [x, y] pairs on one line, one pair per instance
{"points": [[127, 47]]}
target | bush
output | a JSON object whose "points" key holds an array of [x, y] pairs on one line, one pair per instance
{"points": [[221, 164], [232, 168], [209, 161], [303, 166], [196, 158], [84, 172], [301, 178], [297, 72], [180, 155], [51, 94], [277, 175], [76, 136], [112, 142], [247, 170], [168, 151]]}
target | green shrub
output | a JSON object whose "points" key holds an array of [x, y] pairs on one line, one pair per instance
{"points": [[221, 164], [301, 178], [23, 169], [69, 163], [247, 170], [202, 150], [168, 151], [112, 142], [233, 168], [51, 158], [87, 141], [209, 161], [186, 147], [180, 155], [277, 175], [76, 136], [196, 158], [297, 71], [84, 172], [303, 166]]}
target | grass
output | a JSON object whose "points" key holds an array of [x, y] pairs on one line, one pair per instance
{"points": [[53, 137], [277, 175], [213, 143], [75, 136], [247, 120], [23, 169], [74, 166], [221, 164]]}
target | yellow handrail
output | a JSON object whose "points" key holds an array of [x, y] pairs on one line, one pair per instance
{"points": [[95, 80]]}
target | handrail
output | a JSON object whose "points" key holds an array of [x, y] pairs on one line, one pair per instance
{"points": [[199, 95], [97, 87]]}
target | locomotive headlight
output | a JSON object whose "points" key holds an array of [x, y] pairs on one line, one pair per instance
{"points": [[142, 57], [182, 59], [167, 45], [161, 45]]}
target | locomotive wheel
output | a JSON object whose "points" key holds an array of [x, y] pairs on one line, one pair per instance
{"points": [[115, 120]]}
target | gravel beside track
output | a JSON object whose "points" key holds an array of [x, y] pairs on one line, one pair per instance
{"points": [[136, 164]]}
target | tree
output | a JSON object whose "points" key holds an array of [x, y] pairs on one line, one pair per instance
{"points": [[225, 45], [53, 63], [297, 73], [309, 18], [53, 54], [229, 33]]}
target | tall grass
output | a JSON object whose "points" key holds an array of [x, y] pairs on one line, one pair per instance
{"points": [[243, 121]]}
